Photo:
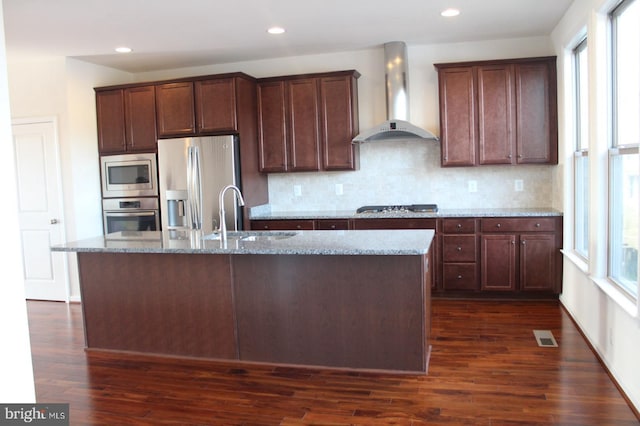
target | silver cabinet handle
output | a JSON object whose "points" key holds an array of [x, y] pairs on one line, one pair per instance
{"points": [[53, 221]]}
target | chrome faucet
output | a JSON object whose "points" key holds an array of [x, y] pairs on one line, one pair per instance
{"points": [[223, 224]]}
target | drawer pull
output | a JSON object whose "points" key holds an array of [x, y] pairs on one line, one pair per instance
{"points": [[459, 277], [459, 226], [299, 226], [498, 225], [537, 225], [333, 227], [459, 248]]}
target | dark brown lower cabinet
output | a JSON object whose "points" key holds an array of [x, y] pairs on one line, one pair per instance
{"points": [[498, 262], [521, 255], [459, 254], [473, 256], [538, 254]]}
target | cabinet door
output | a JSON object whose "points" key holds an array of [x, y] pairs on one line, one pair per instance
{"points": [[536, 113], [337, 97], [458, 116], [110, 116], [140, 118], [496, 114], [175, 105], [216, 105], [304, 125], [537, 261], [498, 264], [272, 130]]}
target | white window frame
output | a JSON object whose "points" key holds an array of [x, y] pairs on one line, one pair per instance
{"points": [[617, 153], [580, 156]]}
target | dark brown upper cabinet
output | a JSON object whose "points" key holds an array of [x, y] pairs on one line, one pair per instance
{"points": [[175, 106], [216, 105], [126, 120], [339, 118], [202, 107], [498, 112], [307, 122]]}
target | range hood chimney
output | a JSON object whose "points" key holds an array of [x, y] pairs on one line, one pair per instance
{"points": [[397, 126]]}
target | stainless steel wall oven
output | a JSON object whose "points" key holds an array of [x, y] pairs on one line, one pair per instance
{"points": [[130, 214]]}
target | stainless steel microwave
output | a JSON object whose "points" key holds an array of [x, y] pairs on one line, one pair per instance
{"points": [[129, 175]]}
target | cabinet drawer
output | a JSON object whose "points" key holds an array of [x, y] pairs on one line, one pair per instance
{"points": [[282, 224], [460, 276], [533, 224], [459, 248], [332, 224], [459, 226]]}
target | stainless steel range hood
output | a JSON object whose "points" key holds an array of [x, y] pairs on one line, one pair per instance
{"points": [[397, 126]]}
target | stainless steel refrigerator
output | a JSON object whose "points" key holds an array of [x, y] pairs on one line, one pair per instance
{"points": [[191, 173]]}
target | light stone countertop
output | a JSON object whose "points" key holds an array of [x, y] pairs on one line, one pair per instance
{"points": [[357, 242], [265, 213]]}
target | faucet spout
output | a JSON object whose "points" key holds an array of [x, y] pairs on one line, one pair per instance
{"points": [[223, 224]]}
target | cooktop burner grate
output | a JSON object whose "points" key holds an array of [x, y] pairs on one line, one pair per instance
{"points": [[415, 208]]}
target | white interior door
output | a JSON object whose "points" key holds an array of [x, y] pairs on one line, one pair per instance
{"points": [[40, 209]]}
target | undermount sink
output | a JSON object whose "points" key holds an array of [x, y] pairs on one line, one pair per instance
{"points": [[252, 235]]}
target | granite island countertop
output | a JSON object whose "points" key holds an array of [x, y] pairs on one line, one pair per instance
{"points": [[356, 242], [265, 213]]}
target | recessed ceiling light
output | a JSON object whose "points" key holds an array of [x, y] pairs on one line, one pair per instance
{"points": [[123, 49], [275, 30], [448, 13]]}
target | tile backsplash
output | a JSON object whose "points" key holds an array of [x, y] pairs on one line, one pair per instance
{"points": [[409, 172]]}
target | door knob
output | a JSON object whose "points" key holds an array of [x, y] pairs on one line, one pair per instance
{"points": [[53, 221]]}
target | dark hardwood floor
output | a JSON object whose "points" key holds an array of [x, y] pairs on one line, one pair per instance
{"points": [[485, 369]]}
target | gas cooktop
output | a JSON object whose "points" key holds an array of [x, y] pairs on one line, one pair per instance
{"points": [[415, 208]]}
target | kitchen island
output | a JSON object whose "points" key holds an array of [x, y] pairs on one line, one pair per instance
{"points": [[342, 299]]}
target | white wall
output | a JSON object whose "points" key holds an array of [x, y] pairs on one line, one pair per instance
{"points": [[16, 369], [605, 318], [60, 87]]}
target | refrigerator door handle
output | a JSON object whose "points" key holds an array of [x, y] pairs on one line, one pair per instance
{"points": [[194, 188]]}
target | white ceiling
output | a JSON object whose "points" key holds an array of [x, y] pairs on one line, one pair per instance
{"points": [[168, 34]]}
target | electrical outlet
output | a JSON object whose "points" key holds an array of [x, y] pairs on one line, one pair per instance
{"points": [[519, 185], [297, 190], [339, 189], [473, 186]]}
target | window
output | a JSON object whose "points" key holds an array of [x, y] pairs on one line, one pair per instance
{"points": [[581, 153], [624, 161]]}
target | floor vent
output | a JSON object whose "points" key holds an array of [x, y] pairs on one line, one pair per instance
{"points": [[545, 338]]}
